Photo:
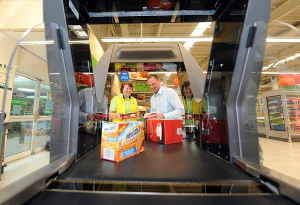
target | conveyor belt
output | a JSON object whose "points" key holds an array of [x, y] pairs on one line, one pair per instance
{"points": [[162, 174], [56, 198], [181, 162]]}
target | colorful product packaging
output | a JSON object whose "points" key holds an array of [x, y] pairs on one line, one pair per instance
{"points": [[121, 140], [129, 115], [164, 131]]}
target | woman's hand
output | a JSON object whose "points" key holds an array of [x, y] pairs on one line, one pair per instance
{"points": [[113, 115]]}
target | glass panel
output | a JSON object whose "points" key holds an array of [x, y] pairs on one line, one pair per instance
{"points": [[280, 93], [131, 11], [23, 96], [19, 138], [227, 34], [29, 55], [43, 133], [45, 101]]}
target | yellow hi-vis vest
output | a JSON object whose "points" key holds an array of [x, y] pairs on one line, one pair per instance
{"points": [[195, 106], [121, 107]]}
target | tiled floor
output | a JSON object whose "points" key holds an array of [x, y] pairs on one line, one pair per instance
{"points": [[278, 155], [281, 156]]}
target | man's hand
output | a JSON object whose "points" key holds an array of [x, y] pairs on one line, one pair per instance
{"points": [[93, 117], [159, 116]]}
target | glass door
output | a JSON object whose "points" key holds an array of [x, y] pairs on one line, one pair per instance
{"points": [[30, 118], [19, 139], [43, 124]]}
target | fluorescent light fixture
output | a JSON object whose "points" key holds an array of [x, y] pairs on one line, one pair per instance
{"points": [[201, 28], [192, 39], [133, 40], [117, 40], [75, 27], [278, 73], [198, 32], [283, 40], [188, 45], [289, 58], [81, 33], [204, 25], [80, 42], [26, 89], [154, 39], [36, 42]]}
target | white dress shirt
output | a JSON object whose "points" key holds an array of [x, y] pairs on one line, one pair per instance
{"points": [[167, 102]]}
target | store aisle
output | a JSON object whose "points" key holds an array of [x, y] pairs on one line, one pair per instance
{"points": [[281, 156], [21, 167]]}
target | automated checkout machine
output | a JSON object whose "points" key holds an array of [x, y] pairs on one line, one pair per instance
{"points": [[221, 168]]}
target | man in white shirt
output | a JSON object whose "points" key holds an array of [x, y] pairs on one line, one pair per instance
{"points": [[165, 102]]}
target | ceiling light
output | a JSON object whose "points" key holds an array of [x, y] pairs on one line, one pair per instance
{"points": [[75, 27], [26, 89], [118, 40], [283, 40], [24, 43], [278, 73], [81, 33], [154, 39], [188, 45], [289, 58], [201, 28], [198, 31], [80, 42], [204, 25], [192, 39]]}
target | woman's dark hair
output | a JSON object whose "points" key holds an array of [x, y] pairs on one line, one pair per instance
{"points": [[123, 85], [184, 85]]}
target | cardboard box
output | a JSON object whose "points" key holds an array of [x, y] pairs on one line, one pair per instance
{"points": [[164, 131], [121, 140]]}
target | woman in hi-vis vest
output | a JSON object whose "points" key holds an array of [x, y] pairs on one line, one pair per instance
{"points": [[123, 104], [192, 109]]}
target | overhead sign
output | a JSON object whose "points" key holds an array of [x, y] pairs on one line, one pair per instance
{"points": [[176, 81], [124, 76], [82, 79], [19, 101], [286, 80]]}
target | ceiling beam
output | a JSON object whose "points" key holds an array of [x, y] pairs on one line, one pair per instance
{"points": [[283, 10], [115, 13], [124, 30], [175, 13], [112, 31], [159, 29]]}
